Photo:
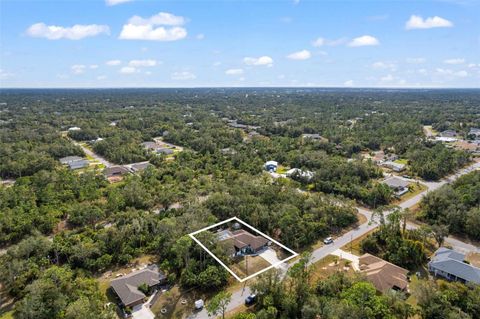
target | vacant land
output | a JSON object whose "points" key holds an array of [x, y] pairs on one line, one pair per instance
{"points": [[249, 265]]}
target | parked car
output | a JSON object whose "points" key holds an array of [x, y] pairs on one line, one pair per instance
{"points": [[250, 300], [199, 304], [328, 240]]}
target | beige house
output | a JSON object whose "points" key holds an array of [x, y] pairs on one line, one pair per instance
{"points": [[382, 274]]}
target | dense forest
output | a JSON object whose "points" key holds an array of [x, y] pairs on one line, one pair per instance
{"points": [[60, 228], [456, 206]]}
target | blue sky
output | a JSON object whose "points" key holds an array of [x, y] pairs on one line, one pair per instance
{"points": [[157, 43]]}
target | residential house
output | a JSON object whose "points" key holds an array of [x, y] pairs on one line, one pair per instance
{"points": [[74, 162], [296, 172], [150, 146], [474, 132], [396, 167], [138, 167], [448, 133], [69, 159], [126, 287], [271, 166], [451, 265], [115, 171], [384, 275], [316, 137], [164, 150], [74, 128], [78, 164], [378, 157], [243, 242], [398, 185]]}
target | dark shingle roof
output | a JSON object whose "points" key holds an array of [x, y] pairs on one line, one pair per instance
{"points": [[126, 287]]}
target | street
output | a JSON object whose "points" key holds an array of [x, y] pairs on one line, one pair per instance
{"points": [[238, 297]]}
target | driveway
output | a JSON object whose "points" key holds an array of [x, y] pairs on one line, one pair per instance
{"points": [[143, 311], [348, 256], [270, 255], [239, 296]]}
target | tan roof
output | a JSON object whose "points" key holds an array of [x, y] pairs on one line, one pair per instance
{"points": [[463, 145], [382, 274], [242, 238]]}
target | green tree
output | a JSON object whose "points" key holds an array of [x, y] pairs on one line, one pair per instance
{"points": [[218, 304]]}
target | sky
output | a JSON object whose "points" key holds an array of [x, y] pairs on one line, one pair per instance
{"points": [[196, 43]]}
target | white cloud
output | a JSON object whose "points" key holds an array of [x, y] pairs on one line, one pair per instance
{"points": [[78, 68], [115, 2], [263, 60], [93, 66], [417, 22], [300, 55], [364, 40], [234, 71], [295, 2], [142, 63], [326, 42], [200, 36], [348, 83], [5, 75], [184, 75], [76, 32], [460, 74], [473, 65], [101, 77], [387, 78], [128, 70], [160, 27], [416, 60], [384, 65], [217, 63], [454, 61], [113, 62]]}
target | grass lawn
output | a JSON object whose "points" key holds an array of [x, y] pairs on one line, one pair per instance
{"points": [[474, 259], [415, 189], [254, 263], [327, 266], [401, 161], [282, 169], [7, 315], [354, 246]]}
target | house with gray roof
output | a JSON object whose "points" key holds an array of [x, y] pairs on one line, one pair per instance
{"points": [[398, 185], [126, 287], [451, 265], [78, 164], [69, 159]]}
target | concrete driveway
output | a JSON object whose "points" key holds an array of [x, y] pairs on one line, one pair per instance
{"points": [[348, 256], [142, 312], [270, 255]]}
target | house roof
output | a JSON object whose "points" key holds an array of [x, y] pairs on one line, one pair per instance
{"points": [[242, 238], [452, 262], [395, 182], [115, 170], [139, 166], [274, 163], [78, 164], [382, 274], [68, 159], [126, 287]]}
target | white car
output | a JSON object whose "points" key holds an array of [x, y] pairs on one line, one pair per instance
{"points": [[328, 240]]}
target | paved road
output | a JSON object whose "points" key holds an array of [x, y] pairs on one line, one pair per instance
{"points": [[238, 297], [97, 157]]}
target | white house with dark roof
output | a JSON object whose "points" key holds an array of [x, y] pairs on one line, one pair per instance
{"points": [[398, 185], [451, 265]]}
